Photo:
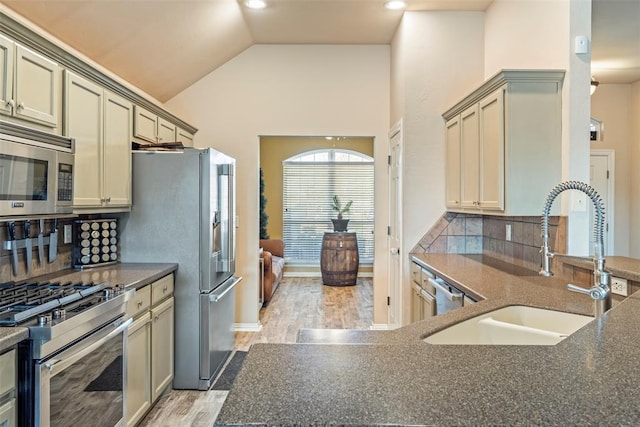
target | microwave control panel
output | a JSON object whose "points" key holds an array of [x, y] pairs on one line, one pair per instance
{"points": [[65, 182]]}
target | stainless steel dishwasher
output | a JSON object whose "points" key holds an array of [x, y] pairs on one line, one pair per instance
{"points": [[447, 296]]}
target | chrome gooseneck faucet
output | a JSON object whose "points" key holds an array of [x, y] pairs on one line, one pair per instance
{"points": [[601, 290]]}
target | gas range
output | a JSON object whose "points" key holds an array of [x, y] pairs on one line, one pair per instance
{"points": [[58, 313], [77, 333]]}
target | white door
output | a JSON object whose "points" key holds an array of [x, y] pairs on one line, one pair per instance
{"points": [[394, 301], [601, 179]]}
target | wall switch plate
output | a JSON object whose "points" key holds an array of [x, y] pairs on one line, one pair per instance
{"points": [[507, 232], [578, 202], [619, 286], [67, 234], [581, 45]]}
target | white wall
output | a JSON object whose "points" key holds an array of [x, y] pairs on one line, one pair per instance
{"points": [[436, 59], [291, 90], [539, 34], [634, 188], [611, 104]]}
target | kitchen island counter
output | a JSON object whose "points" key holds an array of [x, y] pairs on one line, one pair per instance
{"points": [[400, 380], [12, 336]]}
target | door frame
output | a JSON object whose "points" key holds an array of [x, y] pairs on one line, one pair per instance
{"points": [[609, 232], [395, 293]]}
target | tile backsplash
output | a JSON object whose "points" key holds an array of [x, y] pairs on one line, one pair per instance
{"points": [[484, 234], [62, 262]]}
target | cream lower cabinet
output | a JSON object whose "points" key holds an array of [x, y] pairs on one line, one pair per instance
{"points": [[161, 348], [149, 347], [139, 369], [504, 144], [29, 85], [101, 124], [8, 383]]}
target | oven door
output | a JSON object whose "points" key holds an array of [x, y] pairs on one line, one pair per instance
{"points": [[84, 384]]}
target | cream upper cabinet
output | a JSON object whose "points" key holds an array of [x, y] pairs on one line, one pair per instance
{"points": [[29, 84], [510, 144], [101, 124], [185, 137], [145, 124], [453, 162], [166, 131], [469, 157], [83, 121], [151, 128]]}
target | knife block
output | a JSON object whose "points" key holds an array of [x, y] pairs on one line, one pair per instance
{"points": [[95, 242]]}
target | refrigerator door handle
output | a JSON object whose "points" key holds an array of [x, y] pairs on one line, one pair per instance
{"points": [[226, 288]]}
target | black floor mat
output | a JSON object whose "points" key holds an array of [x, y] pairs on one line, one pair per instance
{"points": [[225, 380]]}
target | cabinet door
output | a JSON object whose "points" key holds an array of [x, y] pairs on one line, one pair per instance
{"points": [[469, 157], [7, 58], [36, 87], [416, 305], [161, 348], [138, 369], [453, 163], [491, 113], [166, 131], [83, 118], [8, 414], [118, 120], [145, 124], [185, 137]]}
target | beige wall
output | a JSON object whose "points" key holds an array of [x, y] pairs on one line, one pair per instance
{"points": [[275, 149], [436, 59], [302, 90], [611, 104], [634, 188], [539, 34]]}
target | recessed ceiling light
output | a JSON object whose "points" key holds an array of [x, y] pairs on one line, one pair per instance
{"points": [[255, 4], [395, 4]]}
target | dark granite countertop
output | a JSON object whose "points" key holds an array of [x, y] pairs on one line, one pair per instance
{"points": [[394, 378], [132, 275]]}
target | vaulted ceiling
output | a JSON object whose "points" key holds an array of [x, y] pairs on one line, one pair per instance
{"points": [[164, 46]]}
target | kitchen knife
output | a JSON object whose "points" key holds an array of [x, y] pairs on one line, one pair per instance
{"points": [[53, 242], [11, 229], [41, 243], [27, 243]]}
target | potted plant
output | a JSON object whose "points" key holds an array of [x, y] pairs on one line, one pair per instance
{"points": [[340, 224]]}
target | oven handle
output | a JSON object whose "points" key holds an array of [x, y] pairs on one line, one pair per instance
{"points": [[450, 296], [74, 354]]}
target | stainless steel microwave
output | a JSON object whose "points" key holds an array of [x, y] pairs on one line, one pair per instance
{"points": [[36, 172]]}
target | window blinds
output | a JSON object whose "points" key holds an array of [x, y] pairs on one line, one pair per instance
{"points": [[309, 188]]}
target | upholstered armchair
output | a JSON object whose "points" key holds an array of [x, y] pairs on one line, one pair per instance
{"points": [[273, 257]]}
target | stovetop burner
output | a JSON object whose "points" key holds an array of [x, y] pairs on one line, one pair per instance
{"points": [[28, 302]]}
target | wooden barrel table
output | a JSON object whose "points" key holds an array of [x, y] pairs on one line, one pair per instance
{"points": [[339, 259]]}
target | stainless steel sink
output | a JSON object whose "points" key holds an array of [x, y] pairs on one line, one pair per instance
{"points": [[513, 325]]}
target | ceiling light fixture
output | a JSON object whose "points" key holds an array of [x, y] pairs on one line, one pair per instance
{"points": [[594, 85], [395, 4], [255, 4]]}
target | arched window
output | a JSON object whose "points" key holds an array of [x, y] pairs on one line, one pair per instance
{"points": [[311, 179]]}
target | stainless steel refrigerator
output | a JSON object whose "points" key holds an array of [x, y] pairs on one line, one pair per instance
{"points": [[184, 211]]}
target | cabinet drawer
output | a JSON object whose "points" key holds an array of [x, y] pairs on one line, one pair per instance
{"points": [[7, 372], [140, 302], [415, 272], [161, 289]]}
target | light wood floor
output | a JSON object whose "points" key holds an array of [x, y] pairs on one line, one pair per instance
{"points": [[298, 303]]}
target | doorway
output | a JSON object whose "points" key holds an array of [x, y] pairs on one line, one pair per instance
{"points": [[602, 179]]}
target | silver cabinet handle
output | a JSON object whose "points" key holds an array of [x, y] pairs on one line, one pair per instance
{"points": [[11, 103], [20, 105]]}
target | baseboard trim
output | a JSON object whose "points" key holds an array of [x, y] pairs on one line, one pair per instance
{"points": [[367, 274], [379, 327], [247, 327]]}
